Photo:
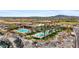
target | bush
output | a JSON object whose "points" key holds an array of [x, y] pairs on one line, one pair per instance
{"points": [[13, 26]]}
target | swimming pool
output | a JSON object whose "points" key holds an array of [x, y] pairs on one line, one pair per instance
{"points": [[22, 30], [42, 34]]}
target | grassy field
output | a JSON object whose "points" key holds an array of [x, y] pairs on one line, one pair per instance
{"points": [[72, 23]]}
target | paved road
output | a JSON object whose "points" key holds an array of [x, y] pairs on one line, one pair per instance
{"points": [[76, 30]]}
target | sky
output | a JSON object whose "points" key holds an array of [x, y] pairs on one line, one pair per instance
{"points": [[43, 13]]}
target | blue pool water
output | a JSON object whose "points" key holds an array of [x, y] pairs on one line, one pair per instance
{"points": [[42, 34], [22, 30]]}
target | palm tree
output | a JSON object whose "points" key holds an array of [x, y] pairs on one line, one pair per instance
{"points": [[69, 30], [44, 30]]}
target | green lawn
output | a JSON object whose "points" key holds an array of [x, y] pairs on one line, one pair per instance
{"points": [[68, 23]]}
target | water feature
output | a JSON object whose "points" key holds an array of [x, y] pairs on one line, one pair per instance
{"points": [[22, 30], [42, 34]]}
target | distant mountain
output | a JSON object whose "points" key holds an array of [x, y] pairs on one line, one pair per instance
{"points": [[57, 17]]}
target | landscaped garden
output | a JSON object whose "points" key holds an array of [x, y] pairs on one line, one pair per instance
{"points": [[50, 34]]}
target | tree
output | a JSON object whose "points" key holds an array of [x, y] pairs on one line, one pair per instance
{"points": [[73, 19]]}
